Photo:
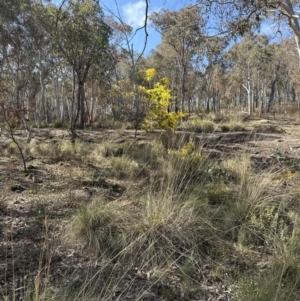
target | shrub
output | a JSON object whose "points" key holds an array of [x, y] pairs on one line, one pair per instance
{"points": [[158, 99]]}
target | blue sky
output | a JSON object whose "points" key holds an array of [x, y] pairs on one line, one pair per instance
{"points": [[133, 13]]}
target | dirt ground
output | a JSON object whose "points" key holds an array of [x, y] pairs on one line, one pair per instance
{"points": [[34, 217]]}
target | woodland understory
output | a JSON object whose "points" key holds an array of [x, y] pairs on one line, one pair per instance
{"points": [[210, 212], [165, 175]]}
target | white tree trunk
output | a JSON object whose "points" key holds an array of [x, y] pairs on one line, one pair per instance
{"points": [[57, 102], [62, 107], [287, 9], [92, 105]]}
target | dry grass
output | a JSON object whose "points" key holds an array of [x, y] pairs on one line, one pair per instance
{"points": [[232, 126], [154, 227], [185, 217], [199, 125], [59, 150]]}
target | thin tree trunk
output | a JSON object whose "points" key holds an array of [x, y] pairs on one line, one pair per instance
{"points": [[81, 100], [62, 105], [57, 102], [73, 113], [92, 105]]}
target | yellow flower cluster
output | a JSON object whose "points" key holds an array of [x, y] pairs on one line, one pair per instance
{"points": [[159, 99], [187, 151], [150, 73]]}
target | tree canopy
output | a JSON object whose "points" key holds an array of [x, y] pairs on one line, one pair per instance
{"points": [[73, 63]]}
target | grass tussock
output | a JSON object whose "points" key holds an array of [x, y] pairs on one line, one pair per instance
{"points": [[123, 167], [269, 128], [250, 196], [59, 150], [157, 229], [267, 286], [10, 149], [232, 126], [58, 124], [199, 125], [233, 122], [281, 279]]}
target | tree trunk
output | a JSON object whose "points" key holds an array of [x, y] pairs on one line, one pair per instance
{"points": [[249, 101], [72, 112], [287, 7], [249, 97], [271, 98], [57, 102], [41, 106], [81, 97], [62, 105], [92, 105], [207, 106]]}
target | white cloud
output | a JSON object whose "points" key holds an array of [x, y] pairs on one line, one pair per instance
{"points": [[135, 13]]}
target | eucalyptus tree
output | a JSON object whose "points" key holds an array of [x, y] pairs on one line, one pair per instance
{"points": [[21, 43], [17, 57], [290, 59], [284, 72], [81, 36], [184, 31], [238, 17], [17, 61], [248, 64], [212, 69]]}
